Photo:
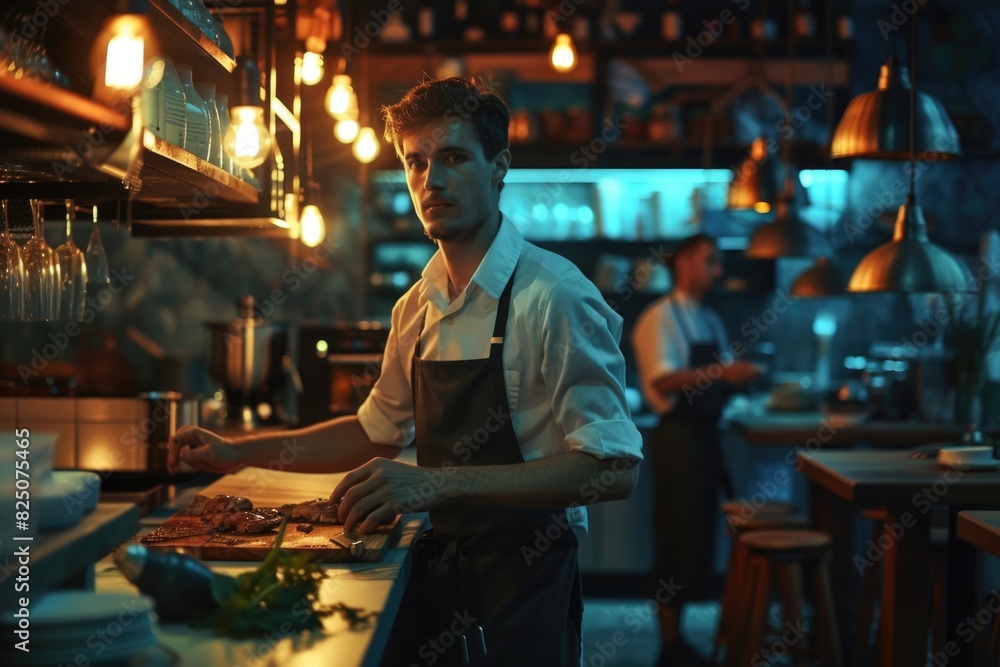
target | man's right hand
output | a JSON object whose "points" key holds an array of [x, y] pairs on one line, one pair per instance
{"points": [[740, 372], [193, 448]]}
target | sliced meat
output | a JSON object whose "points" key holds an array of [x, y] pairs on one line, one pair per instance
{"points": [[224, 503], [197, 506], [304, 528], [255, 521], [313, 511]]}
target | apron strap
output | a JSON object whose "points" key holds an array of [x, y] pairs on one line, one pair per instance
{"points": [[500, 326]]}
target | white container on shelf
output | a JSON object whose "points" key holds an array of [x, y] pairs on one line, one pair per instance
{"points": [[164, 101], [207, 93], [196, 139]]}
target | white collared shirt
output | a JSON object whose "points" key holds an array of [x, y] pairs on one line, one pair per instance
{"points": [[661, 344], [564, 370]]}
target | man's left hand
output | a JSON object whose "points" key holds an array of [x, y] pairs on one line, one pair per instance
{"points": [[375, 493]]}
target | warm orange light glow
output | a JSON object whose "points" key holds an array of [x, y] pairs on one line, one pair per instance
{"points": [[563, 54], [762, 207], [366, 146]]}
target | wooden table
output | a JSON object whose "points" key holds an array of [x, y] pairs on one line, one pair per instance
{"points": [[908, 488], [981, 529], [797, 428]]}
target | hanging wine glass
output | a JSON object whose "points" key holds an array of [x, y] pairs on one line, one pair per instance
{"points": [[73, 274], [11, 273], [41, 272], [97, 259]]}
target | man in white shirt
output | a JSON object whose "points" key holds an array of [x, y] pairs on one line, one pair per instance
{"points": [[503, 365], [681, 350]]}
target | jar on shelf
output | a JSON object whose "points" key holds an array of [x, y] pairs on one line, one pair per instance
{"points": [[196, 139], [207, 93], [164, 101]]}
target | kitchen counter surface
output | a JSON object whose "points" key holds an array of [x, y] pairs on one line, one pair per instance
{"points": [[770, 428], [372, 586]]}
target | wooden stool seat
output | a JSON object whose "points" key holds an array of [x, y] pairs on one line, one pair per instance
{"points": [[738, 508], [738, 525], [785, 540]]}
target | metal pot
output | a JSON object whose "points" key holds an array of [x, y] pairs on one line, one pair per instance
{"points": [[243, 353], [163, 413]]}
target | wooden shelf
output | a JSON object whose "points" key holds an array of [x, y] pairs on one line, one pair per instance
{"points": [[44, 113], [186, 43], [169, 174]]}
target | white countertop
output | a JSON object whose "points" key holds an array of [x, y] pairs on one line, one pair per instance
{"points": [[372, 586]]}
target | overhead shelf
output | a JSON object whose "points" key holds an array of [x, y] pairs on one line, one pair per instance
{"points": [[186, 43], [170, 174], [49, 114]]}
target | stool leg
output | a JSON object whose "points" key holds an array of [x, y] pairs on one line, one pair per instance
{"points": [[789, 579], [757, 608], [866, 613], [826, 618], [735, 583], [937, 611]]}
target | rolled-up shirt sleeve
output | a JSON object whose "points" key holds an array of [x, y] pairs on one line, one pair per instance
{"points": [[386, 416], [584, 371]]}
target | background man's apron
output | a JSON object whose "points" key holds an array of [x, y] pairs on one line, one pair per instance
{"points": [[686, 454], [511, 572]]}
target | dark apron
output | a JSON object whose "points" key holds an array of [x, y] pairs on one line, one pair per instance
{"points": [[686, 454], [504, 577]]}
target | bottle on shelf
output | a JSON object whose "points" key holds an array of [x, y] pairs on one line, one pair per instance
{"points": [[164, 102], [672, 22], [207, 93], [196, 139]]}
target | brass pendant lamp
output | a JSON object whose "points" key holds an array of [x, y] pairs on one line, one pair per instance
{"points": [[875, 124], [756, 181], [910, 263], [822, 279], [788, 235]]}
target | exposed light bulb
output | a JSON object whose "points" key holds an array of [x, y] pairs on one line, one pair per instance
{"points": [[125, 60], [248, 140], [312, 68], [346, 131], [563, 54], [366, 146], [340, 98], [312, 227], [762, 207]]}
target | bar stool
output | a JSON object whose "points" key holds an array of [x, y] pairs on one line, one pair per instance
{"points": [[779, 557], [870, 588], [767, 517]]}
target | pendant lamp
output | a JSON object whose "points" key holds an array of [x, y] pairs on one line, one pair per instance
{"points": [[910, 263], [788, 235], [820, 280], [876, 124], [756, 182]]}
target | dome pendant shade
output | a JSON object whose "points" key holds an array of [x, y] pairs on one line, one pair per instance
{"points": [[876, 125], [787, 236], [820, 280], [909, 263]]}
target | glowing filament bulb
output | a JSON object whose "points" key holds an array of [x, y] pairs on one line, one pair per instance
{"points": [[366, 147], [312, 227], [123, 69], [563, 54], [247, 141], [312, 68]]}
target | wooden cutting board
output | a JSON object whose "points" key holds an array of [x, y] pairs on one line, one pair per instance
{"points": [[273, 489]]}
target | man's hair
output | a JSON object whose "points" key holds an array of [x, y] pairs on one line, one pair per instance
{"points": [[450, 100], [687, 246]]}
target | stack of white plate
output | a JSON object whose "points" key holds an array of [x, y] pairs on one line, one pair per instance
{"points": [[80, 628]]}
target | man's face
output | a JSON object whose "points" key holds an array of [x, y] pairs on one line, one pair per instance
{"points": [[452, 184], [702, 266]]}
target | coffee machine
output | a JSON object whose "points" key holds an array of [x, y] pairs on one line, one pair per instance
{"points": [[249, 358]]}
